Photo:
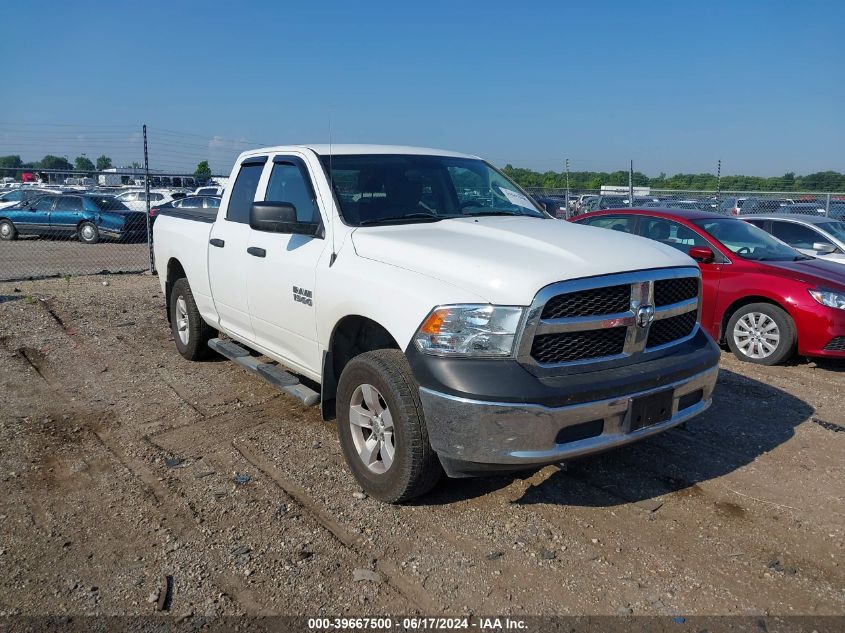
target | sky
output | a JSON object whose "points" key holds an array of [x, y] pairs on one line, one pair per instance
{"points": [[673, 86]]}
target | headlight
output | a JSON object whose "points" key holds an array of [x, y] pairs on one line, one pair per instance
{"points": [[829, 299], [469, 330]]}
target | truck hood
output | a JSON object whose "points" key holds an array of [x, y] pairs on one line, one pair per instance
{"points": [[508, 259]]}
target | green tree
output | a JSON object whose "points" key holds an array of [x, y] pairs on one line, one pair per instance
{"points": [[83, 163], [203, 170], [103, 162], [12, 164], [54, 162]]}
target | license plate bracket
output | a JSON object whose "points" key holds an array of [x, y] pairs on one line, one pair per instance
{"points": [[651, 409]]}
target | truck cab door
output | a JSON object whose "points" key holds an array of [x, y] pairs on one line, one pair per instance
{"points": [[228, 260], [281, 271]]}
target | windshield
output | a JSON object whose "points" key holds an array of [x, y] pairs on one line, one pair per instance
{"points": [[836, 229], [391, 188], [749, 242]]}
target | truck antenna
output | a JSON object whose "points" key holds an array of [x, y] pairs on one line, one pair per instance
{"points": [[331, 195]]}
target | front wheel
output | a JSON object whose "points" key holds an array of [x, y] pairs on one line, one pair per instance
{"points": [[762, 333], [89, 233], [381, 427], [8, 231], [190, 332]]}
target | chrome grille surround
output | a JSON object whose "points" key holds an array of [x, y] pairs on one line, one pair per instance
{"points": [[636, 338]]}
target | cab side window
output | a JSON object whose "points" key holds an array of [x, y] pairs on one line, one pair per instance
{"points": [[243, 193], [289, 182]]}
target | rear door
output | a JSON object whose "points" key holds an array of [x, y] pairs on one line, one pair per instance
{"points": [[66, 215], [227, 256], [281, 271]]}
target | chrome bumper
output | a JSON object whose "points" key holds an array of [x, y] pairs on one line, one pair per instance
{"points": [[524, 434]]}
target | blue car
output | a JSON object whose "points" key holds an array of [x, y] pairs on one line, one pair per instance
{"points": [[88, 217]]}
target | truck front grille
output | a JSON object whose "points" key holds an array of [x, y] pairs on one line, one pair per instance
{"points": [[669, 291], [671, 329], [573, 346], [610, 319], [589, 302]]}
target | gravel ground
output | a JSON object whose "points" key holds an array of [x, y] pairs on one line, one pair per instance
{"points": [[133, 481]]}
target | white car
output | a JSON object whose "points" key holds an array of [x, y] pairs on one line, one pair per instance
{"points": [[813, 235], [137, 199], [426, 302], [207, 191]]}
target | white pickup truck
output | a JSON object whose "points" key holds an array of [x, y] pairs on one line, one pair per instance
{"points": [[424, 301]]}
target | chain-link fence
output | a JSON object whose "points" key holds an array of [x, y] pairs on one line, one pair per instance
{"points": [[563, 203], [57, 223]]}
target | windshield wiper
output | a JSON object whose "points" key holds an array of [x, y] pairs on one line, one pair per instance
{"points": [[499, 212], [430, 217]]}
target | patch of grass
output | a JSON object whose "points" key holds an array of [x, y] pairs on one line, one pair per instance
{"points": [[30, 299]]}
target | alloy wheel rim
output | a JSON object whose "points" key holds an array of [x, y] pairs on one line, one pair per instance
{"points": [[87, 232], [371, 424], [5, 229], [182, 326], [756, 335]]}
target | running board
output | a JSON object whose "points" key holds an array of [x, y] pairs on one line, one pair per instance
{"points": [[274, 374]]}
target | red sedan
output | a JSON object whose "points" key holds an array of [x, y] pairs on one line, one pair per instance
{"points": [[765, 299]]}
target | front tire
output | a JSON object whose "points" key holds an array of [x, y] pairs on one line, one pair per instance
{"points": [[190, 332], [88, 233], [8, 232], [762, 333], [381, 426]]}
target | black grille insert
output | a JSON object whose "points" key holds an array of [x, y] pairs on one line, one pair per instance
{"points": [[581, 431], [596, 301], [567, 347], [836, 344], [671, 329], [669, 291]]}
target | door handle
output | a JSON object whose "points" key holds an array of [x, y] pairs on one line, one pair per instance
{"points": [[257, 252], [217, 242]]}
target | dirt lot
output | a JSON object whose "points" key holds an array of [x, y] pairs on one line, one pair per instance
{"points": [[118, 460]]}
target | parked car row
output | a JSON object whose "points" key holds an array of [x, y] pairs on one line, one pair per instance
{"points": [[93, 213], [773, 286]]}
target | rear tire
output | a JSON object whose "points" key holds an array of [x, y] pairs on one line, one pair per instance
{"points": [[381, 427], [88, 233], [762, 333], [8, 232], [190, 333]]}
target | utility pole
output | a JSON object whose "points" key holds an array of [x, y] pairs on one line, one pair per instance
{"points": [[567, 189], [147, 190], [719, 183]]}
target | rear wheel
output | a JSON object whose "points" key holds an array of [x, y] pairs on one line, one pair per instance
{"points": [[190, 333], [381, 427], [88, 233], [762, 333], [7, 230]]}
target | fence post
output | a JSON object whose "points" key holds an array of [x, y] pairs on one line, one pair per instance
{"points": [[827, 206], [147, 195]]}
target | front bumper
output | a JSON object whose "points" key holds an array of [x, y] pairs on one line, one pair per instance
{"points": [[475, 436]]}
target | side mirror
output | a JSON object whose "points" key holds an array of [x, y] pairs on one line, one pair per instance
{"points": [[823, 248], [279, 217], [701, 254]]}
